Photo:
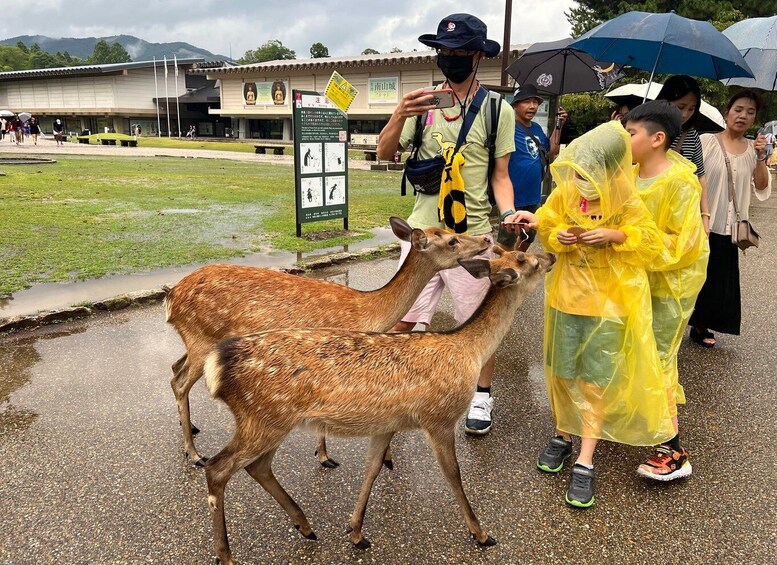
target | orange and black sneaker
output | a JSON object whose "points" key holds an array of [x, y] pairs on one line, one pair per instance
{"points": [[666, 464]]}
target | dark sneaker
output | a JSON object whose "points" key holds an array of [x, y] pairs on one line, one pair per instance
{"points": [[581, 487], [552, 458], [478, 420], [666, 464]]}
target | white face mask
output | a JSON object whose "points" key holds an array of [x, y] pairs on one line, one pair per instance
{"points": [[587, 189]]}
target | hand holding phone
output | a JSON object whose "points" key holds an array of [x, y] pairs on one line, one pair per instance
{"points": [[442, 98]]}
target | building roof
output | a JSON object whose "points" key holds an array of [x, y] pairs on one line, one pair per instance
{"points": [[403, 58], [92, 70]]}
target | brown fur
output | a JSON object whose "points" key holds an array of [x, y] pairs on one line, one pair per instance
{"points": [[359, 384], [219, 301]]}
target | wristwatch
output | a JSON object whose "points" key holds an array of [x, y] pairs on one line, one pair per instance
{"points": [[757, 158], [509, 212]]}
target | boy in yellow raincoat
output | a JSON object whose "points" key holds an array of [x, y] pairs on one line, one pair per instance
{"points": [[602, 369], [671, 191]]}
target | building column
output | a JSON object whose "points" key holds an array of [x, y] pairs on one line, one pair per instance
{"points": [[288, 131]]}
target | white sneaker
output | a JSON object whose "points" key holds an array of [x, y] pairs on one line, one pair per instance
{"points": [[478, 420]]}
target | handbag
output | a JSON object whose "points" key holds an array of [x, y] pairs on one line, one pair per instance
{"points": [[742, 233]]}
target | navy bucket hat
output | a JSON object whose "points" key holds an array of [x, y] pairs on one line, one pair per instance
{"points": [[461, 31]]}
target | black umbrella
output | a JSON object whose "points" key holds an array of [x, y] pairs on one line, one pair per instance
{"points": [[557, 69]]}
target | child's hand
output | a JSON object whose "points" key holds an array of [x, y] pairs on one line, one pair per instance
{"points": [[566, 238], [602, 235]]}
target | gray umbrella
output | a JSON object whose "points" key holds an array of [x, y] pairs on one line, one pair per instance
{"points": [[756, 39], [556, 69], [6, 114]]}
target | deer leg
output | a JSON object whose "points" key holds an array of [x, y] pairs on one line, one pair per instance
{"points": [[323, 456], [178, 366], [388, 459], [182, 383], [375, 455], [444, 444], [218, 471], [261, 471]]}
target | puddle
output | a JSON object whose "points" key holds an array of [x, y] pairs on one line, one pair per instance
{"points": [[52, 296], [180, 211]]}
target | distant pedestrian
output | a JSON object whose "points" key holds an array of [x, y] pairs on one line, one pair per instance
{"points": [[34, 130], [59, 129], [18, 130], [3, 128]]}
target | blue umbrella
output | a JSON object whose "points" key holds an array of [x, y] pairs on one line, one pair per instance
{"points": [[756, 39], [665, 43]]}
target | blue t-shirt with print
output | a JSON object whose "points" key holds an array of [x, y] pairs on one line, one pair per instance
{"points": [[525, 166]]}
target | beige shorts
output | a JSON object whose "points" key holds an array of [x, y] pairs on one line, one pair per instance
{"points": [[467, 291]]}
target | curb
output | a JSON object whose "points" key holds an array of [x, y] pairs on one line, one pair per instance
{"points": [[48, 317]]}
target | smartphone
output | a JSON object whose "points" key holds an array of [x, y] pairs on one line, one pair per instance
{"points": [[442, 98]]}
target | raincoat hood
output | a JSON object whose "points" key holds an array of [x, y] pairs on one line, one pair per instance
{"points": [[602, 157]]}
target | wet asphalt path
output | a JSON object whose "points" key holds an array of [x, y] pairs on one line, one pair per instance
{"points": [[92, 468]]}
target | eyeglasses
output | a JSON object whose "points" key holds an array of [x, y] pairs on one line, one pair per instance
{"points": [[456, 52]]}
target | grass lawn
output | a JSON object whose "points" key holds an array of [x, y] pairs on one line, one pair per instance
{"points": [[86, 217]]}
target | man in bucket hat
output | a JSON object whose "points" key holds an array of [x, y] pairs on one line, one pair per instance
{"points": [[533, 152], [461, 44]]}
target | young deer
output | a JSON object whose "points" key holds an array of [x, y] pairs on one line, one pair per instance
{"points": [[359, 384], [220, 301]]}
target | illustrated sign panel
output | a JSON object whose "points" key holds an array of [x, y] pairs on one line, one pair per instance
{"points": [[320, 158], [265, 93]]}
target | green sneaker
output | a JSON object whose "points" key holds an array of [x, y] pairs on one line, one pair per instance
{"points": [[552, 458], [581, 487]]}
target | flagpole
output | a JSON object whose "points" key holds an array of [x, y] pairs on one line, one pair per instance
{"points": [[167, 102], [156, 92], [177, 104]]}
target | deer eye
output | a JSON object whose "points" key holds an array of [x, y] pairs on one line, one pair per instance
{"points": [[454, 241]]}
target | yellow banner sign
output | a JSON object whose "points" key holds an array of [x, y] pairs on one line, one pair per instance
{"points": [[340, 91]]}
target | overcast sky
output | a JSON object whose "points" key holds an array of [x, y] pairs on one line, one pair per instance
{"points": [[224, 26]]}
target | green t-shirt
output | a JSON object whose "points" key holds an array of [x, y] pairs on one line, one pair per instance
{"points": [[425, 213]]}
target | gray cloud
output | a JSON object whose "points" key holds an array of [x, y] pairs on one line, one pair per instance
{"points": [[221, 26]]}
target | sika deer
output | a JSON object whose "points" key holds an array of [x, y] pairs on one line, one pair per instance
{"points": [[220, 301], [359, 384]]}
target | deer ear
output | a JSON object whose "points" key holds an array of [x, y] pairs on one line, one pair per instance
{"points": [[418, 240], [478, 268], [498, 250], [520, 256], [504, 278], [400, 228]]}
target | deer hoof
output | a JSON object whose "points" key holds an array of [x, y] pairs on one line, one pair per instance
{"points": [[311, 536], [389, 464], [330, 464], [200, 462], [195, 430], [490, 542], [364, 543]]}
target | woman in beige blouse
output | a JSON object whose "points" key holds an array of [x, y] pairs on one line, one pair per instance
{"points": [[719, 305]]}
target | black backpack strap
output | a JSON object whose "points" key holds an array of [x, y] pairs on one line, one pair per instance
{"points": [[420, 123], [492, 126]]}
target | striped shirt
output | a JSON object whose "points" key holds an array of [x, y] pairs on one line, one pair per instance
{"points": [[691, 149]]}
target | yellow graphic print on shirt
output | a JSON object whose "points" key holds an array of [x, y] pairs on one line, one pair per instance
{"points": [[451, 203]]}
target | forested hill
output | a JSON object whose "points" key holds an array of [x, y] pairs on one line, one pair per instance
{"points": [[138, 49]]}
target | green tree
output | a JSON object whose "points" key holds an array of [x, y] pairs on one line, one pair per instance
{"points": [[395, 50], [319, 50], [590, 13], [22, 47], [105, 53], [273, 50], [13, 58], [370, 51]]}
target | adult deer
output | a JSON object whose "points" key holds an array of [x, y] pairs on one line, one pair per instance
{"points": [[220, 301], [359, 384]]}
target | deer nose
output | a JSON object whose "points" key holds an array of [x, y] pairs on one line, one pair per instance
{"points": [[488, 239]]}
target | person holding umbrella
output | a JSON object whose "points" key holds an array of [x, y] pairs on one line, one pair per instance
{"points": [[719, 306], [684, 92]]}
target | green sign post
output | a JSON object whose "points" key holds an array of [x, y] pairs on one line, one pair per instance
{"points": [[320, 159]]}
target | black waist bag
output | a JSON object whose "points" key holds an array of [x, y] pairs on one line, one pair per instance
{"points": [[424, 175]]}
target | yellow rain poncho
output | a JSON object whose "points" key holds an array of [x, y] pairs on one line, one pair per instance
{"points": [[677, 274], [602, 369]]}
